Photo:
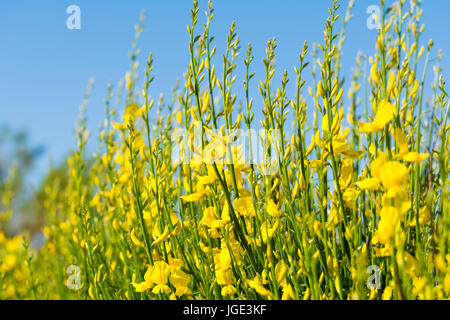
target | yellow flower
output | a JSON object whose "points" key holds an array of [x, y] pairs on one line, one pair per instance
{"points": [[387, 293], [258, 287], [135, 240], [339, 145], [147, 283], [14, 244], [160, 272], [311, 146], [143, 286], [386, 227], [384, 115], [224, 258], [162, 237], [414, 157], [223, 277], [346, 175], [400, 139], [280, 271], [419, 284], [119, 126], [383, 252], [228, 290], [333, 219], [219, 223], [370, 184], [180, 281], [414, 89], [210, 219], [236, 249], [424, 216], [393, 174], [320, 89], [95, 200], [159, 288], [404, 153], [391, 83], [447, 283], [139, 142], [175, 263], [153, 212], [398, 197], [132, 110], [91, 292], [208, 216], [193, 197], [307, 294], [125, 177], [288, 292], [267, 232], [377, 164], [244, 206], [410, 264], [207, 179], [373, 183], [272, 209], [349, 196], [374, 74], [334, 126], [8, 263]]}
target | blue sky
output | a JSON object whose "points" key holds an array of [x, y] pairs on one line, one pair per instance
{"points": [[45, 67]]}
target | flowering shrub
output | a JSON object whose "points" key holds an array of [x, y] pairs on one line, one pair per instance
{"points": [[175, 207]]}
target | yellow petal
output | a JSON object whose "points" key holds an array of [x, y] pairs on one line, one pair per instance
{"points": [[387, 293], [280, 271], [162, 237], [241, 204], [377, 164], [95, 200], [391, 83], [384, 114], [374, 74], [208, 216], [414, 157], [370, 184], [272, 209], [393, 174], [401, 141], [141, 287], [135, 240], [193, 197], [310, 147], [256, 284], [160, 272], [219, 223], [119, 126], [366, 127]]}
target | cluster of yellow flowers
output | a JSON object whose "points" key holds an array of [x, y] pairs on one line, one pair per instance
{"points": [[138, 223]]}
